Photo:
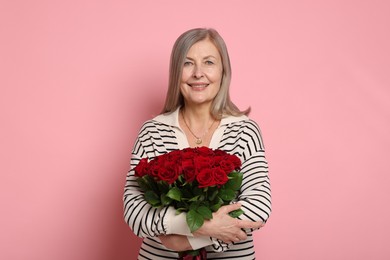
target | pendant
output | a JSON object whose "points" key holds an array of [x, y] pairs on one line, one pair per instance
{"points": [[198, 141]]}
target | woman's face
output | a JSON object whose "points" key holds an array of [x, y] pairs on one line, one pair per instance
{"points": [[202, 74]]}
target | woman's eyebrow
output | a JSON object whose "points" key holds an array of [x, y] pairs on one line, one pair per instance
{"points": [[207, 57]]}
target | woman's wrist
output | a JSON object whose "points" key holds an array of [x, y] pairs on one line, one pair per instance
{"points": [[176, 242], [204, 230]]}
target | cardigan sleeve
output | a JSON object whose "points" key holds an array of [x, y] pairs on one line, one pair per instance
{"points": [[142, 218], [255, 193]]}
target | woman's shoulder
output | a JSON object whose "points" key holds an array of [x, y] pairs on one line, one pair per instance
{"points": [[242, 134], [151, 124], [239, 121], [159, 123]]}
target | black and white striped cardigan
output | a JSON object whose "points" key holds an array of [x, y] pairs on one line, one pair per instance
{"points": [[236, 135]]}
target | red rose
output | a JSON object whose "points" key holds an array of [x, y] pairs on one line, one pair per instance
{"points": [[227, 166], [188, 153], [174, 156], [220, 176], [141, 169], [220, 153], [205, 151], [153, 168], [235, 160], [169, 172], [202, 162], [215, 160], [205, 178], [188, 170]]}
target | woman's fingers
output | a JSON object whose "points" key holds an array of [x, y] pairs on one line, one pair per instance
{"points": [[241, 235], [249, 224], [229, 208], [222, 226]]}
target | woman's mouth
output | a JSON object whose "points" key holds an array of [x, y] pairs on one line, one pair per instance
{"points": [[198, 85]]}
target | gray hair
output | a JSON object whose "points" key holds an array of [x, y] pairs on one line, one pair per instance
{"points": [[222, 104]]}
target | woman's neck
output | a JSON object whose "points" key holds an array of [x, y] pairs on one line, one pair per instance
{"points": [[198, 125], [197, 116]]}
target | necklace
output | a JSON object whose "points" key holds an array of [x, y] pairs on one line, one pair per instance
{"points": [[198, 140]]}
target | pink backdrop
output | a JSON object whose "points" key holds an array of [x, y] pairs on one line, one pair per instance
{"points": [[79, 77]]}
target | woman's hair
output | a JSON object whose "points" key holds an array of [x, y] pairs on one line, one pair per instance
{"points": [[222, 104]]}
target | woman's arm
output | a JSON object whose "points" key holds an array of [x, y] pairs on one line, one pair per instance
{"points": [[142, 218], [223, 227], [177, 243], [255, 193], [148, 221]]}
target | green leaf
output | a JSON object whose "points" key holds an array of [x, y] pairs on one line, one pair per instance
{"points": [[197, 191], [186, 194], [182, 205], [194, 205], [174, 194], [152, 183], [227, 194], [213, 195], [152, 198], [205, 212], [218, 200], [163, 186], [216, 207], [234, 182], [196, 198], [236, 213], [145, 183], [194, 220], [180, 210], [165, 200]]}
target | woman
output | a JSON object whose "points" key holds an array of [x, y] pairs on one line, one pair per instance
{"points": [[198, 112]]}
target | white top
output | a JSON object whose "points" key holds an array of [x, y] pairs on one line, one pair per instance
{"points": [[236, 135]]}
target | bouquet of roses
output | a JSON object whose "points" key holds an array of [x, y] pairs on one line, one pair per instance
{"points": [[194, 180]]}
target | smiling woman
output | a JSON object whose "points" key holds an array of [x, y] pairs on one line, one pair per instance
{"points": [[198, 112], [202, 74]]}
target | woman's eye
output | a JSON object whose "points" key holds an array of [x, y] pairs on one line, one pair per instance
{"points": [[187, 63], [209, 62]]}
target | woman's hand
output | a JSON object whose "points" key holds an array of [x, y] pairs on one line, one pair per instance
{"points": [[175, 242], [223, 227]]}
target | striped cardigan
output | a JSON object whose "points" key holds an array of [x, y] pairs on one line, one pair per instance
{"points": [[236, 135]]}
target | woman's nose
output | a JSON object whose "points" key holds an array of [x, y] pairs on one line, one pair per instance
{"points": [[198, 73]]}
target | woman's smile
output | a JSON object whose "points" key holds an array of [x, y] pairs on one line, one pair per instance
{"points": [[198, 85], [202, 73]]}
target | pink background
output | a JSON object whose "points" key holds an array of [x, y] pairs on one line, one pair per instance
{"points": [[79, 77]]}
